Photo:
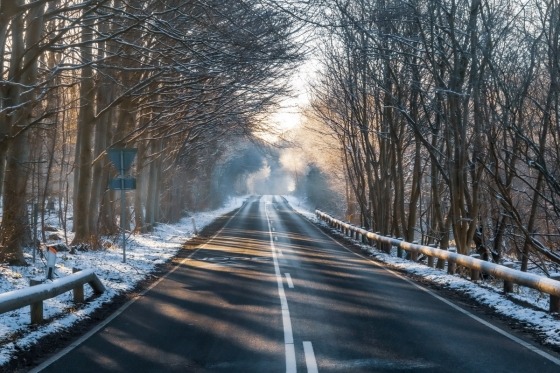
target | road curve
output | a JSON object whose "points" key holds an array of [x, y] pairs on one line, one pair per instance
{"points": [[272, 293]]}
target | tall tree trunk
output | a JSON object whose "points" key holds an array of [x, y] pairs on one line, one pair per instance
{"points": [[84, 155], [23, 69], [139, 193], [415, 193], [152, 203]]}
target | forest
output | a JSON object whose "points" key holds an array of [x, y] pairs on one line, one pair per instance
{"points": [[186, 83], [443, 117], [432, 120]]}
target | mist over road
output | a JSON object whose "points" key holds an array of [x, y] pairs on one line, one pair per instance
{"points": [[272, 293]]}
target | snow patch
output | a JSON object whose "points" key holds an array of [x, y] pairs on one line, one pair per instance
{"points": [[144, 252]]}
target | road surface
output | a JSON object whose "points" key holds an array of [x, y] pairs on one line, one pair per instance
{"points": [[272, 293]]}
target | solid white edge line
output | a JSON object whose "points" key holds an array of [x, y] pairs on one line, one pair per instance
{"points": [[310, 360], [489, 325], [118, 312], [513, 338], [289, 280]]}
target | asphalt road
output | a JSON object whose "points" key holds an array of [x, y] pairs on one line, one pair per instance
{"points": [[272, 293]]}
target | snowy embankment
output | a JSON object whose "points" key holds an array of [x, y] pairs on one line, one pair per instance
{"points": [[143, 253], [489, 293]]}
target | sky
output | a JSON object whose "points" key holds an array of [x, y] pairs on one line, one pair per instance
{"points": [[290, 116]]}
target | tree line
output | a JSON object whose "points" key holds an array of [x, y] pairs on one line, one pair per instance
{"points": [[186, 82], [446, 119]]}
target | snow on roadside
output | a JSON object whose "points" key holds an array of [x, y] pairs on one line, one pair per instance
{"points": [[143, 253], [488, 293]]}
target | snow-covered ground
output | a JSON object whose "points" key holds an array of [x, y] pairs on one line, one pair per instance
{"points": [[489, 292], [144, 252]]}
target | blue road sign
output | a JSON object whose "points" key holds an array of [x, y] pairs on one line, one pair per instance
{"points": [[122, 183], [122, 158]]}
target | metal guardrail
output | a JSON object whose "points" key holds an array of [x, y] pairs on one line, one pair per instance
{"points": [[35, 295], [509, 275]]}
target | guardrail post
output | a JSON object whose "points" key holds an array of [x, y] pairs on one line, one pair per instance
{"points": [[399, 249], [508, 285], [440, 263], [78, 291], [554, 299], [383, 246], [388, 247], [451, 265], [379, 244], [414, 254], [444, 256], [475, 273], [37, 307], [431, 258]]}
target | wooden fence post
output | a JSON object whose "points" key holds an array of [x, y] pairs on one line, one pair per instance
{"points": [[364, 238], [414, 254], [508, 285], [37, 307], [78, 291], [555, 300], [451, 265], [475, 273], [371, 241], [431, 258]]}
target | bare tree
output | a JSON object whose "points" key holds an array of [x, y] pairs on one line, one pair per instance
{"points": [[467, 90], [161, 76]]}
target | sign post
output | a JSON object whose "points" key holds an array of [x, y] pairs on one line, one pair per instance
{"points": [[122, 160], [51, 261]]}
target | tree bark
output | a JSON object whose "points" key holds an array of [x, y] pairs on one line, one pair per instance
{"points": [[84, 156], [23, 69]]}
